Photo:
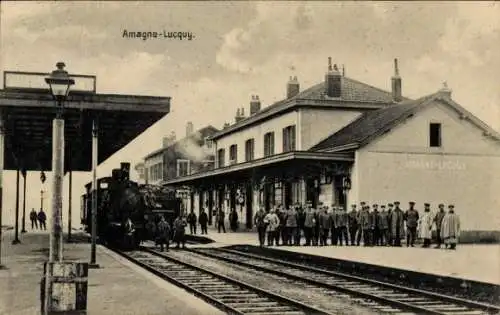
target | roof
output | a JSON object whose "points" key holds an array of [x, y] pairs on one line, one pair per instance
{"points": [[203, 133], [375, 123], [353, 93], [28, 115]]}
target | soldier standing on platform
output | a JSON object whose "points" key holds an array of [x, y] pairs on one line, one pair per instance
{"points": [[180, 231], [203, 220], [309, 224], [353, 224], [450, 229], [375, 225], [301, 217], [220, 221], [383, 221], [233, 220], [366, 225], [272, 222], [341, 226], [33, 218], [316, 228], [425, 226], [324, 225], [411, 217], [291, 226], [438, 219], [389, 230], [42, 218], [261, 225], [191, 219], [397, 224], [333, 220], [163, 233], [282, 229], [360, 228]]}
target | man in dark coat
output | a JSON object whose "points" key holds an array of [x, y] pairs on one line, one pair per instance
{"points": [[341, 225], [301, 217], [33, 218], [283, 232], [309, 223], [220, 220], [383, 221], [191, 219], [333, 224], [42, 218], [324, 225], [261, 225], [438, 220], [366, 225], [233, 220], [291, 226], [375, 225], [180, 231], [389, 230], [411, 218], [203, 220], [163, 232], [353, 224], [397, 224]]}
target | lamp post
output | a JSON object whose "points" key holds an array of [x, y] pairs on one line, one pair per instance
{"points": [[23, 172], [59, 83]]}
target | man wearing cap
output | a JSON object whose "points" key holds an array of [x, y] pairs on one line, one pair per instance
{"points": [[333, 224], [309, 223], [366, 225], [397, 224], [383, 221], [301, 216], [425, 226], [389, 230], [450, 229], [291, 226], [324, 225], [272, 222], [411, 217], [375, 225], [341, 225], [438, 219], [316, 228], [352, 223]]}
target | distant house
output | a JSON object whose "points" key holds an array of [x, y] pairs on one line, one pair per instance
{"points": [[342, 141]]}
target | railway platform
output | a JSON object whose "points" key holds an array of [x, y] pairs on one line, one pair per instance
{"points": [[475, 262], [117, 287]]}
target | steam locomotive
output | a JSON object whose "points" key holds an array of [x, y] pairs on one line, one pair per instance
{"points": [[120, 199]]}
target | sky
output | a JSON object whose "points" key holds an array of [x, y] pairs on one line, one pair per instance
{"points": [[243, 48]]}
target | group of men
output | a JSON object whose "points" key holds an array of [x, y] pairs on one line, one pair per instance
{"points": [[384, 227], [38, 219], [161, 232], [202, 220]]}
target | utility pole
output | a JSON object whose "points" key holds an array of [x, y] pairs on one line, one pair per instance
{"points": [[16, 238], [23, 172]]}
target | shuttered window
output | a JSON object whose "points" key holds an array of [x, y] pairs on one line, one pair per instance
{"points": [[268, 144]]}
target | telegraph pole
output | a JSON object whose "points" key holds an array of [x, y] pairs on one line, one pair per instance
{"points": [[23, 230]]}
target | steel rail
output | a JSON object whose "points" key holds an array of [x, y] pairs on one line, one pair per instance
{"points": [[392, 302]]}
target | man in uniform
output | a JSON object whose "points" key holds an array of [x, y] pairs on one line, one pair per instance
{"points": [[375, 225], [316, 228], [383, 221], [163, 231], [324, 225], [191, 219], [301, 216], [360, 228], [353, 224], [389, 230], [291, 226], [261, 225], [333, 224], [220, 221], [366, 225], [341, 226], [438, 219], [411, 217], [425, 226], [309, 223], [397, 224], [272, 222], [203, 220]]}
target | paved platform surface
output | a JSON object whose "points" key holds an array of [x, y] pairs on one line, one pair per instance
{"points": [[118, 287], [475, 262]]}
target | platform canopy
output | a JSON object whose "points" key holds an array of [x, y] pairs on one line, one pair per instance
{"points": [[27, 110]]}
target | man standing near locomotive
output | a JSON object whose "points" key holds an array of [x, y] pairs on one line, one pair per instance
{"points": [[191, 219], [203, 220], [179, 231], [163, 233]]}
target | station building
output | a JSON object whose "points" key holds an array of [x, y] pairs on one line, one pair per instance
{"points": [[342, 141]]}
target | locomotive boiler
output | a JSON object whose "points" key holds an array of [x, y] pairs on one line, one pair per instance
{"points": [[120, 199]]}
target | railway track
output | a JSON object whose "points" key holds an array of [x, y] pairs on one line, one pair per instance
{"points": [[229, 295], [398, 298]]}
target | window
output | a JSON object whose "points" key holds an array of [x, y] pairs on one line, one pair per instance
{"points": [[435, 135], [208, 142], [220, 157], [289, 139], [269, 144], [233, 154], [183, 168], [249, 150]]}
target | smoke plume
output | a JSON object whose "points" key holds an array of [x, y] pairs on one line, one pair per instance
{"points": [[194, 149]]}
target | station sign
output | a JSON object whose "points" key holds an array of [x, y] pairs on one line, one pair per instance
{"points": [[19, 80]]}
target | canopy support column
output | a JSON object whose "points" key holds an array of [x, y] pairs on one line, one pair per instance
{"points": [[95, 139]]}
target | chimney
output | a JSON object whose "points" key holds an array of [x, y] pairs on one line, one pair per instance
{"points": [[396, 83], [189, 128], [242, 112], [292, 88], [237, 117], [333, 80], [226, 125], [169, 140], [445, 91], [254, 105]]}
